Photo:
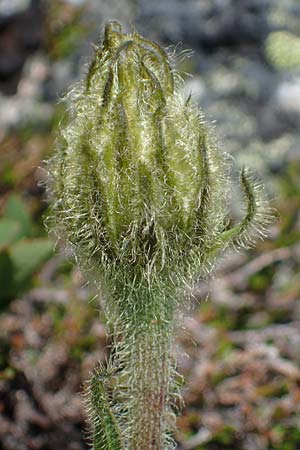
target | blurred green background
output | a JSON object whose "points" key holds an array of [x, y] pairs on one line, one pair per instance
{"points": [[239, 346]]}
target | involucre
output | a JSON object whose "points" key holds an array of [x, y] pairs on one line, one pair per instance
{"points": [[140, 191]]}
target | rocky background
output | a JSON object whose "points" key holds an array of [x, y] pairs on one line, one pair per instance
{"points": [[238, 348]]}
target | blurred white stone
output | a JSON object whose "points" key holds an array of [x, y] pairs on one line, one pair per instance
{"points": [[27, 104], [288, 96], [76, 2], [10, 7]]}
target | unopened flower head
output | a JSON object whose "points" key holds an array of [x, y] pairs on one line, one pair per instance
{"points": [[138, 181]]}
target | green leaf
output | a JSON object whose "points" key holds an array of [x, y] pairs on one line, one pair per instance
{"points": [[6, 279], [257, 217], [28, 255], [16, 210], [9, 232], [106, 432]]}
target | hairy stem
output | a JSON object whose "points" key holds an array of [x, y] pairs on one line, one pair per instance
{"points": [[143, 355], [149, 388]]}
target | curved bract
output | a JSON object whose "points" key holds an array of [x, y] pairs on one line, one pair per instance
{"points": [[140, 191]]}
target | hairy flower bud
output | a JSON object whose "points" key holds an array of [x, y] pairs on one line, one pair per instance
{"points": [[139, 190], [138, 181]]}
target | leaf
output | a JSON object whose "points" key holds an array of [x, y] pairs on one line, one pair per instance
{"points": [[9, 232], [106, 432], [28, 255], [258, 216], [6, 279], [16, 210]]}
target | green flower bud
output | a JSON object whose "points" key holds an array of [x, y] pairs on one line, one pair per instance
{"points": [[140, 190]]}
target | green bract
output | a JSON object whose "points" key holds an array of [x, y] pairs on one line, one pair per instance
{"points": [[139, 189]]}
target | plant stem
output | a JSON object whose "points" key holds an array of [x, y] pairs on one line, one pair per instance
{"points": [[149, 386], [144, 356]]}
